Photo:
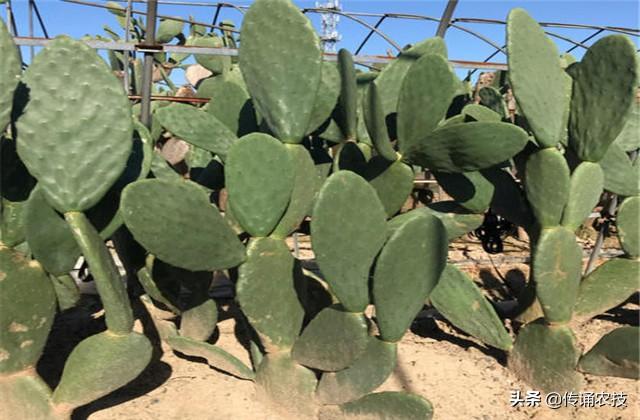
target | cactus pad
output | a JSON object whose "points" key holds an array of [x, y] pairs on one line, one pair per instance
{"points": [[26, 397], [98, 137], [236, 110], [557, 265], [619, 175], [462, 303], [368, 372], [288, 387], [616, 354], [393, 181], [49, 236], [426, 93], [346, 238], [383, 405], [327, 96], [27, 307], [10, 69], [197, 127], [545, 357], [604, 87], [305, 188], [627, 221], [283, 94], [214, 356], [534, 57], [467, 147], [260, 179], [547, 183], [586, 184], [390, 79], [332, 341], [471, 190], [407, 270], [176, 222], [267, 295], [348, 99], [99, 365], [199, 321], [607, 286], [376, 124]]}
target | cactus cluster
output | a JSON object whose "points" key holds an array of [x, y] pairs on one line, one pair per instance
{"points": [[288, 136]]}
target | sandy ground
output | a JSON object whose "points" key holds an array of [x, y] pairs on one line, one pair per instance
{"points": [[462, 378]]}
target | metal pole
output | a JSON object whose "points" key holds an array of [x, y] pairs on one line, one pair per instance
{"points": [[127, 20], [147, 71], [40, 20], [31, 28], [446, 18], [371, 32]]}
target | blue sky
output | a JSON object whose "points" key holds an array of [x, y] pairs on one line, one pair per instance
{"points": [[77, 20]]}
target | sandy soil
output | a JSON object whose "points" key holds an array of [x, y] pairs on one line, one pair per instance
{"points": [[462, 378]]}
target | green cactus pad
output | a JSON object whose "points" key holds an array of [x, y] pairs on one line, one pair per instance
{"points": [[456, 220], [27, 307], [327, 96], [215, 63], [586, 185], [99, 365], [470, 189], [283, 94], [376, 124], [557, 265], [425, 95], [616, 354], [155, 292], [215, 356], [10, 69], [619, 175], [604, 88], [467, 147], [393, 181], [629, 137], [627, 221], [348, 99], [260, 179], [267, 294], [607, 286], [462, 303], [547, 183], [545, 357], [197, 127], [176, 222], [98, 136], [390, 79], [305, 188], [368, 372], [236, 111], [474, 112], [167, 30], [332, 341], [49, 236], [407, 270], [492, 99], [26, 397], [198, 322], [346, 238], [286, 386], [382, 405], [534, 57]]}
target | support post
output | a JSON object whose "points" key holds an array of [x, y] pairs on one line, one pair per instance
{"points": [[147, 71]]}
